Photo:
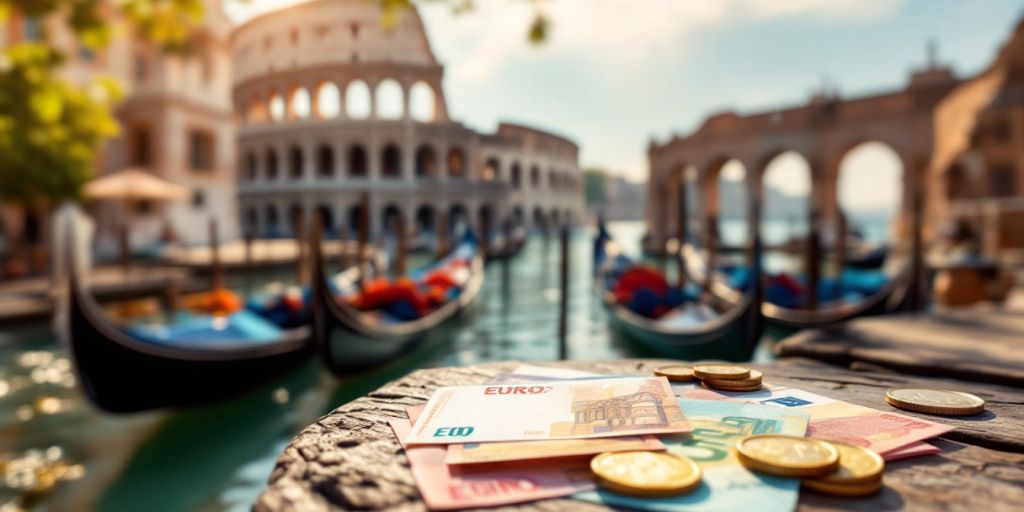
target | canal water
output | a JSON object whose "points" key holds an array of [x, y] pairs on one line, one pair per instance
{"points": [[219, 457]]}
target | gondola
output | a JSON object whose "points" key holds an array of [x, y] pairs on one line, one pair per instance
{"points": [[350, 340], [512, 244], [901, 292], [733, 334], [124, 372]]}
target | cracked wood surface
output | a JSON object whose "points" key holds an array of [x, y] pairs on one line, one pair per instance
{"points": [[981, 346], [350, 459]]}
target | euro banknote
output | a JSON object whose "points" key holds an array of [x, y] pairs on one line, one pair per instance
{"points": [[574, 409], [726, 484], [446, 487], [476, 453], [881, 431]]}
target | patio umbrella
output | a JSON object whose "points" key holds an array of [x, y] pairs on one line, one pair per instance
{"points": [[134, 184], [128, 185]]}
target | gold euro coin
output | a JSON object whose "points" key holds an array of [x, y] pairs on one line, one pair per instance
{"points": [[718, 385], [857, 465], [781, 455], [642, 473], [753, 380], [677, 373], [935, 401], [721, 371], [849, 490]]}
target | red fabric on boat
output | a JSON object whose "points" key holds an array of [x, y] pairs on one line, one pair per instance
{"points": [[637, 278]]}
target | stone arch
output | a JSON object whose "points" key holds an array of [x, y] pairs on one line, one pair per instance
{"points": [[783, 180], [354, 212], [324, 161], [721, 204], [256, 111], [553, 178], [358, 100], [390, 214], [328, 101], [485, 217], [457, 162], [457, 214], [325, 214], [516, 175], [540, 221], [251, 165], [296, 163], [426, 161], [300, 104], [492, 169], [391, 162], [272, 163], [276, 107], [425, 218], [535, 176], [296, 218], [252, 220], [870, 176], [357, 161], [518, 217], [271, 221], [422, 102], [390, 99]]}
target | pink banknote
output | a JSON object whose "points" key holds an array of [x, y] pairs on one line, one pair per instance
{"points": [[911, 450], [881, 431], [446, 487]]}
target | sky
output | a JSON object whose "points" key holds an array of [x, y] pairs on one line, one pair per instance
{"points": [[616, 73]]}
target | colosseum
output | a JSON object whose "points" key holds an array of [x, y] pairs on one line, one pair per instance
{"points": [[332, 105]]}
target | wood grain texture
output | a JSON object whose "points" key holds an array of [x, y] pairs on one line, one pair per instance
{"points": [[980, 346], [350, 460]]}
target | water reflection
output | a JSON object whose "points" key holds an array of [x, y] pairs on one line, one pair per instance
{"points": [[218, 457]]}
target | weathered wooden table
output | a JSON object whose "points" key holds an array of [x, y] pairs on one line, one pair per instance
{"points": [[350, 459], [972, 345]]}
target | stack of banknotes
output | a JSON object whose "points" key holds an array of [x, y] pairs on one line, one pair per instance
{"points": [[531, 434]]}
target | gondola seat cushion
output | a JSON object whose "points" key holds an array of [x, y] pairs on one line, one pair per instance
{"points": [[639, 278]]}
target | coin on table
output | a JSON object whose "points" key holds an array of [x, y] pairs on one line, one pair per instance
{"points": [[719, 386], [857, 465], [849, 490], [678, 373], [935, 401], [643, 473], [787, 455], [754, 380], [721, 371]]}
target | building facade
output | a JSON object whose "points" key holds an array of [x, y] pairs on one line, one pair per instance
{"points": [[982, 184], [176, 123], [332, 105]]}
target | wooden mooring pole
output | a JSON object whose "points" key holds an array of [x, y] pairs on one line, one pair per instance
{"points": [[812, 261], [364, 237], [563, 306]]}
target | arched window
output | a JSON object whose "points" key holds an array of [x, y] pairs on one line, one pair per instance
{"points": [[295, 163], [421, 102], [516, 176], [357, 100], [390, 216], [390, 103], [250, 166], [492, 170], [426, 162], [277, 107], [271, 164], [251, 220], [535, 176], [391, 160], [357, 161], [326, 216], [425, 219], [300, 105], [456, 163], [328, 101], [324, 161], [553, 177], [270, 224]]}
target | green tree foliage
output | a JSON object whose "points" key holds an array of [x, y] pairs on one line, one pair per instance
{"points": [[594, 188], [49, 131]]}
